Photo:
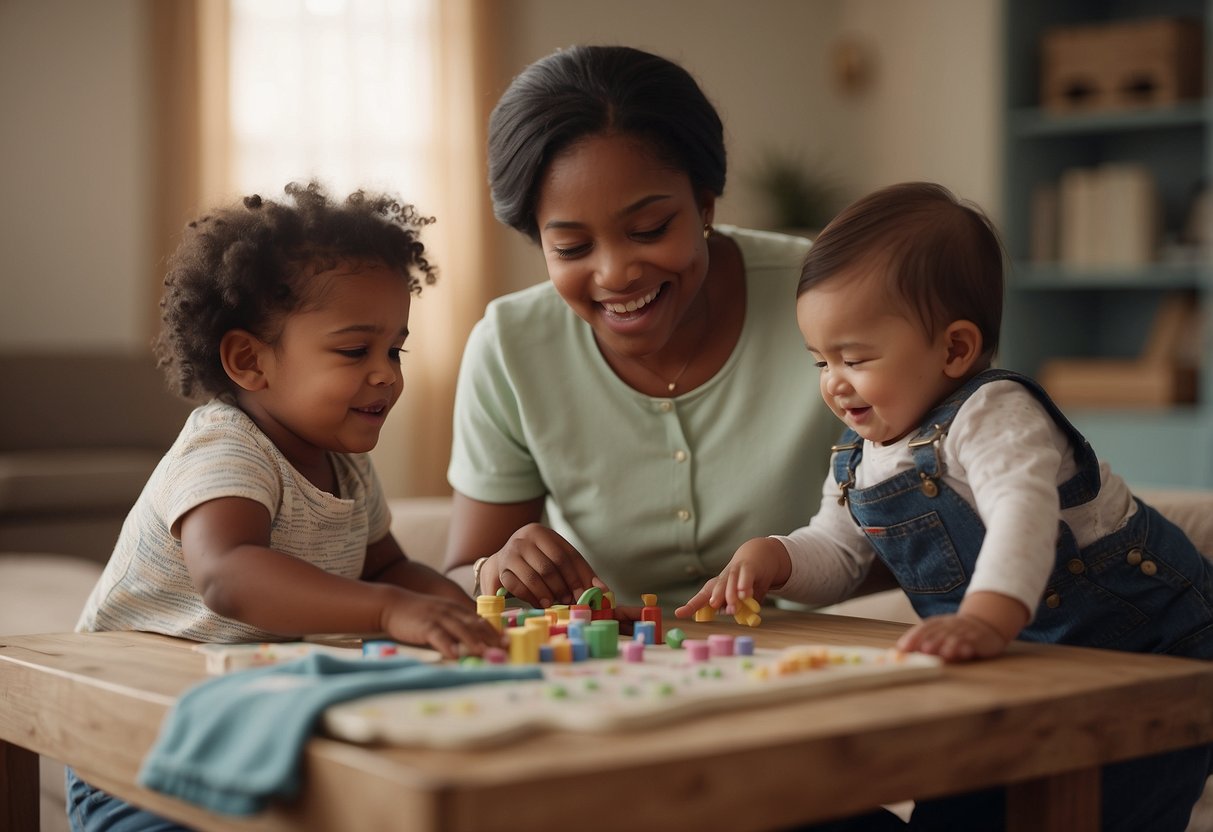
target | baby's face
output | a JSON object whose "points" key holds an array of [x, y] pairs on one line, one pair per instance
{"points": [[879, 372]]}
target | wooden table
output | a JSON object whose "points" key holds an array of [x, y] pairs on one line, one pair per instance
{"points": [[1041, 718]]}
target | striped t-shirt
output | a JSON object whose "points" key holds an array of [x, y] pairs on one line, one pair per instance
{"points": [[222, 453]]}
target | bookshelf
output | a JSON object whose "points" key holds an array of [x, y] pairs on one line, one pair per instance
{"points": [[1057, 308]]}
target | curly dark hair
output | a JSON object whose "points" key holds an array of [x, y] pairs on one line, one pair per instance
{"points": [[246, 266]]}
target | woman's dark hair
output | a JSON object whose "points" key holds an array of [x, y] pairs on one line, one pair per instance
{"points": [[940, 255], [593, 90], [248, 265]]}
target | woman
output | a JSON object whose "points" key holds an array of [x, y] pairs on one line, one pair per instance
{"points": [[632, 421]]}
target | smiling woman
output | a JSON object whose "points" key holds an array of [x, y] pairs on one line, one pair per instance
{"points": [[627, 423]]}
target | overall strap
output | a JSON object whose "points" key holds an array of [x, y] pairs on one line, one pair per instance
{"points": [[1079, 489], [846, 455]]}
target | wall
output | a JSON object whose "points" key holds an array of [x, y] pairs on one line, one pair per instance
{"points": [[931, 111], [74, 139], [73, 158], [75, 133]]}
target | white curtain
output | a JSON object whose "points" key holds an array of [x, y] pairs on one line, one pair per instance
{"points": [[378, 94]]}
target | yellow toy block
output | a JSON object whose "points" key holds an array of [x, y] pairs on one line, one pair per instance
{"points": [[649, 599], [705, 613], [540, 625], [562, 649], [490, 604], [523, 644], [747, 612]]}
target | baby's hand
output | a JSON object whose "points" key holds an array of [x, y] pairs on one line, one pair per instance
{"points": [[954, 638], [450, 627], [760, 564]]}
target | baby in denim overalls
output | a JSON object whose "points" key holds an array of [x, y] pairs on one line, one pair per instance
{"points": [[990, 509]]}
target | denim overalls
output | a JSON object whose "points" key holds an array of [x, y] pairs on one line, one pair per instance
{"points": [[1144, 588]]}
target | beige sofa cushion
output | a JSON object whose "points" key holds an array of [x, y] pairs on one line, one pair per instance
{"points": [[73, 481], [419, 525]]}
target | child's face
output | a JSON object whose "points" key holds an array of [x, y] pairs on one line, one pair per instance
{"points": [[879, 372], [334, 372], [621, 229]]}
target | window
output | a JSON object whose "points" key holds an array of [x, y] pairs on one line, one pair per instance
{"points": [[339, 90]]}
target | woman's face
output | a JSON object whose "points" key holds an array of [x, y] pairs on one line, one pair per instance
{"points": [[622, 234]]}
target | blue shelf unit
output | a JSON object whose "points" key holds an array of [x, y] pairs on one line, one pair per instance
{"points": [[1055, 311]]}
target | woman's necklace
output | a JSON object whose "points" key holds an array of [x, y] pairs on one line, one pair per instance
{"points": [[672, 384]]}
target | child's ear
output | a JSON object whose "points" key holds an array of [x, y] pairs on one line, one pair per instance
{"points": [[240, 351], [964, 342]]}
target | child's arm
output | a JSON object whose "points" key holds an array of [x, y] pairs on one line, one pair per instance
{"points": [[1009, 451], [982, 628], [225, 543], [386, 563]]}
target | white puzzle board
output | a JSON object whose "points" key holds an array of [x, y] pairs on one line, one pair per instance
{"points": [[602, 695]]}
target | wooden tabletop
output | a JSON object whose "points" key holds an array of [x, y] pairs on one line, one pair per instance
{"points": [[1041, 718]]}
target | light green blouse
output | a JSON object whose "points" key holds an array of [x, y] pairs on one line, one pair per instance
{"points": [[656, 493]]}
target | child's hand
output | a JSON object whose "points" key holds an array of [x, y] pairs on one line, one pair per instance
{"points": [[984, 625], [954, 638], [540, 567], [761, 564], [450, 627]]}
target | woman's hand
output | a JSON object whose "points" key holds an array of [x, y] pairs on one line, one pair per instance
{"points": [[451, 627], [540, 567], [759, 565]]}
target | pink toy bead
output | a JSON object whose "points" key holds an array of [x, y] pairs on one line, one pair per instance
{"points": [[633, 651], [697, 649], [495, 655], [720, 644]]}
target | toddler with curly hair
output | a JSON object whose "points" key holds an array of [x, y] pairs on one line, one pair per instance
{"points": [[265, 520]]}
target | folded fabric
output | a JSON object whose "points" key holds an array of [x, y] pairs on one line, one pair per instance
{"points": [[233, 742]]}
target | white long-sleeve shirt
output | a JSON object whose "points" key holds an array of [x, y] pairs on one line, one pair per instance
{"points": [[1006, 457]]}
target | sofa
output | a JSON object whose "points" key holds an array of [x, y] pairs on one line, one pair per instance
{"points": [[44, 592], [79, 437]]}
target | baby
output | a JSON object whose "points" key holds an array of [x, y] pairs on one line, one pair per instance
{"points": [[988, 506]]}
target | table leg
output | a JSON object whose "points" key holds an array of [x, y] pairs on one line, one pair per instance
{"points": [[18, 788], [1063, 803]]}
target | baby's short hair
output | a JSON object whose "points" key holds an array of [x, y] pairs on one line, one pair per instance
{"points": [[247, 266], [940, 255]]}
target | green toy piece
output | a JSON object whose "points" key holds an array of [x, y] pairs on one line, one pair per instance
{"points": [[674, 637], [591, 598]]}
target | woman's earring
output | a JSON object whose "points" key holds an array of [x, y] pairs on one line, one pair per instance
{"points": [[707, 230]]}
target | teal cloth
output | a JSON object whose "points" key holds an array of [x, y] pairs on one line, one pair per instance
{"points": [[233, 742]]}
